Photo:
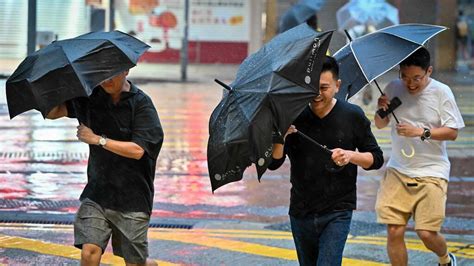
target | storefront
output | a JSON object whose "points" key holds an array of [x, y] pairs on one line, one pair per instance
{"points": [[62, 18], [219, 30]]}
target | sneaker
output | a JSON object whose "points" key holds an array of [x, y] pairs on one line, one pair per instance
{"points": [[453, 259], [452, 262]]}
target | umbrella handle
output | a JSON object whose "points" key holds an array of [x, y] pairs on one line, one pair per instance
{"points": [[381, 92], [376, 83], [323, 147], [227, 87]]}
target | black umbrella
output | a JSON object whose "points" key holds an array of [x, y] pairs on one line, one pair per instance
{"points": [[299, 13], [70, 68], [271, 89]]}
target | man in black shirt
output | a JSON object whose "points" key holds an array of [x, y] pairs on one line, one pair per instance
{"points": [[122, 128], [323, 192]]}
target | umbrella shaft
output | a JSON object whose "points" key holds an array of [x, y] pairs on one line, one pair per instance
{"points": [[325, 149]]}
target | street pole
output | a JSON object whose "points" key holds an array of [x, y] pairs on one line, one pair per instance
{"points": [[31, 40], [184, 48], [111, 15]]}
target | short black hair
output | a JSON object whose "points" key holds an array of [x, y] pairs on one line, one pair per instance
{"points": [[420, 58], [330, 64]]}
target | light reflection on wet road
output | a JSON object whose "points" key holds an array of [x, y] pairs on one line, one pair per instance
{"points": [[42, 160]]}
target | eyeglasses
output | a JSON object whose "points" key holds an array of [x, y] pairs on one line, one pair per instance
{"points": [[416, 79]]}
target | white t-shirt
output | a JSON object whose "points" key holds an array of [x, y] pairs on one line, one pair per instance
{"points": [[433, 107]]}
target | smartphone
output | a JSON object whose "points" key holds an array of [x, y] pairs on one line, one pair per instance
{"points": [[394, 103]]}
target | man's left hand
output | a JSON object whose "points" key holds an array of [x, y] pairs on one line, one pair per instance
{"points": [[86, 135], [341, 157], [407, 130]]}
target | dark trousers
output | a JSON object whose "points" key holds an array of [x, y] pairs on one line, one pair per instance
{"points": [[320, 239]]}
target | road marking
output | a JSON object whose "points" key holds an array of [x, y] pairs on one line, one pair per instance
{"points": [[459, 249], [14, 242], [201, 237], [462, 250], [214, 238]]}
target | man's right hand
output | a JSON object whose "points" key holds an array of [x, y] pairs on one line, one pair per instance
{"points": [[292, 129], [383, 102]]}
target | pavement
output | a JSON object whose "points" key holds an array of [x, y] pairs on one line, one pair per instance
{"points": [[43, 169]]}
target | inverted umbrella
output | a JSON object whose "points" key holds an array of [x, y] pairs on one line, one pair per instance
{"points": [[377, 13], [69, 69], [271, 89], [299, 13], [366, 58]]}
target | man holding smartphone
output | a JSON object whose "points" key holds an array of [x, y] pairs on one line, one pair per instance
{"points": [[416, 181]]}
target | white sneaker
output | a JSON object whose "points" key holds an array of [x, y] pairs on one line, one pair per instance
{"points": [[452, 262]]}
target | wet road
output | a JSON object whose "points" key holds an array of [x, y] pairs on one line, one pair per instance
{"points": [[42, 172]]}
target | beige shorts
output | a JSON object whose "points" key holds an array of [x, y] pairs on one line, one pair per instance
{"points": [[399, 197]]}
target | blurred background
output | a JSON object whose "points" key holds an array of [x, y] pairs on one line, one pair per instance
{"points": [[214, 31]]}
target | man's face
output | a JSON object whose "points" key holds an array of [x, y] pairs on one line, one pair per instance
{"points": [[328, 87], [415, 78], [114, 85]]}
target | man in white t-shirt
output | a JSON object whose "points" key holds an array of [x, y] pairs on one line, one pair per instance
{"points": [[416, 181]]}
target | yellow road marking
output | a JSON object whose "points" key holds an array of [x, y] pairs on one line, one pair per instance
{"points": [[201, 238], [225, 244], [214, 238], [417, 245], [57, 249], [412, 244]]}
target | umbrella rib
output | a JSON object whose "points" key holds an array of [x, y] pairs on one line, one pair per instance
{"points": [[358, 63], [442, 28], [389, 33]]}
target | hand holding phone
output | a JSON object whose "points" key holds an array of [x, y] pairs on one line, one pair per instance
{"points": [[394, 103]]}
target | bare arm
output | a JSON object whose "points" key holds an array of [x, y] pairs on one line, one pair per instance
{"points": [[444, 133], [126, 149], [381, 122], [342, 157], [441, 133], [277, 151], [57, 112]]}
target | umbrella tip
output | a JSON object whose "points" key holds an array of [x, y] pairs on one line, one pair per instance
{"points": [[227, 87], [348, 35]]}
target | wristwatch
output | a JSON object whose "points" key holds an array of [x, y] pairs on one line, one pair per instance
{"points": [[426, 134], [103, 140]]}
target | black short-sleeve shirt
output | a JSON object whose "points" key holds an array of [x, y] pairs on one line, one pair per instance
{"points": [[116, 182]]}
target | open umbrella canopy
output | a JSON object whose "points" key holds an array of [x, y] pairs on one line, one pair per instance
{"points": [[271, 89], [299, 13], [377, 13], [70, 68], [366, 58]]}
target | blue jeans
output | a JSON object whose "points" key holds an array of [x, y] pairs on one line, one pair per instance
{"points": [[320, 239]]}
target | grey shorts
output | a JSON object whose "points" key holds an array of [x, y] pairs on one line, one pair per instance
{"points": [[95, 225]]}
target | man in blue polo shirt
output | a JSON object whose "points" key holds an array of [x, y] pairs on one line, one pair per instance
{"points": [[123, 130]]}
